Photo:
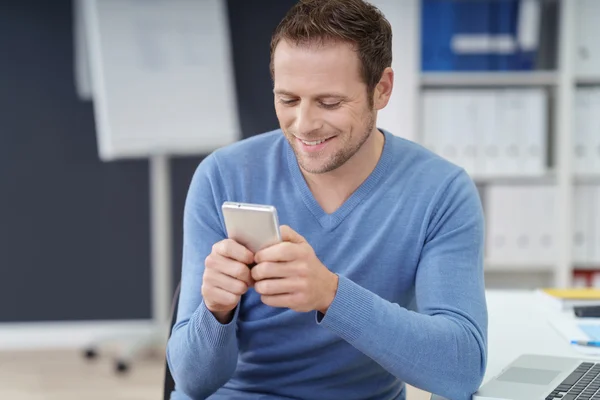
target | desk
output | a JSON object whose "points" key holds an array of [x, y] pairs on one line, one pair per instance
{"points": [[518, 323]]}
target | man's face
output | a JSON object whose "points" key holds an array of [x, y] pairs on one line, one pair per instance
{"points": [[321, 103]]}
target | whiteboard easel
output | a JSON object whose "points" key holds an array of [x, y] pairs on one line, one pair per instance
{"points": [[161, 79]]}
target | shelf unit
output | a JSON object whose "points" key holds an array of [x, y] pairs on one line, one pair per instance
{"points": [[562, 83], [588, 80], [488, 79], [547, 179], [494, 267]]}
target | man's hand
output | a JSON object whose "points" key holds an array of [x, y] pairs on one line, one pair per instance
{"points": [[290, 275], [226, 278]]}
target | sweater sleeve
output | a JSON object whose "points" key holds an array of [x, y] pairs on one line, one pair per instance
{"points": [[201, 352], [442, 347]]}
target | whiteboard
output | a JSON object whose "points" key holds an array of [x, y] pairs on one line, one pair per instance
{"points": [[83, 80], [161, 76]]}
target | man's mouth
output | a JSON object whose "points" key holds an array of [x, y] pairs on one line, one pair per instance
{"points": [[314, 142]]}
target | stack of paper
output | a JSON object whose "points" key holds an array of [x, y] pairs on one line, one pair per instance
{"points": [[566, 299]]}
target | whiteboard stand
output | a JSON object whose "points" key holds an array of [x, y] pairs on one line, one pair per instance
{"points": [[162, 83], [160, 260], [161, 270]]}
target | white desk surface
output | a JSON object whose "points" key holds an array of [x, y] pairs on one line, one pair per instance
{"points": [[518, 324]]}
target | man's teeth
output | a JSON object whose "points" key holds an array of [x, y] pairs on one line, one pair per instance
{"points": [[313, 143]]}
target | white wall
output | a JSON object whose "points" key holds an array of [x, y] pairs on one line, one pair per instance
{"points": [[400, 115]]}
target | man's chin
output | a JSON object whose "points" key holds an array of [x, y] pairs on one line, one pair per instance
{"points": [[316, 168]]}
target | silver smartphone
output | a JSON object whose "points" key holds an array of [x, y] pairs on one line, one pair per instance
{"points": [[254, 226]]}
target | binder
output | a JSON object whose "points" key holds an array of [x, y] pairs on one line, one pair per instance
{"points": [[581, 234], [593, 132], [498, 227], [544, 248], [472, 41], [461, 109], [504, 24], [487, 146], [431, 119], [533, 131], [528, 30], [582, 157], [594, 226], [436, 32], [587, 50], [509, 106]]}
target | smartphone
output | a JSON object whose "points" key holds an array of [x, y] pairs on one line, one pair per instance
{"points": [[254, 226]]}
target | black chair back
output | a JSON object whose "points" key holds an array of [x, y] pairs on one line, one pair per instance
{"points": [[169, 384]]}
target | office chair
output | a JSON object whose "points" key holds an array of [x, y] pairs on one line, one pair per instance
{"points": [[169, 384]]}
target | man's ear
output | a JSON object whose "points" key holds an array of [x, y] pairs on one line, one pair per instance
{"points": [[383, 90]]}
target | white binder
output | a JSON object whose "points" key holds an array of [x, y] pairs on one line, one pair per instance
{"points": [[582, 151], [503, 212], [593, 132], [431, 119], [594, 226], [545, 246], [533, 131], [581, 215], [487, 141], [462, 108], [509, 106], [587, 31]]}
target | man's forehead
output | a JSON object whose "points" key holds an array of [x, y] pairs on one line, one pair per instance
{"points": [[337, 52], [331, 68]]}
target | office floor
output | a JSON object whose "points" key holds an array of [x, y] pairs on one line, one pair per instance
{"points": [[64, 375]]}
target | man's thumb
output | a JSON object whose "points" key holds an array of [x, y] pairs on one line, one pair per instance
{"points": [[290, 235]]}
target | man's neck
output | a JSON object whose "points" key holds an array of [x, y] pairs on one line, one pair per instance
{"points": [[333, 188]]}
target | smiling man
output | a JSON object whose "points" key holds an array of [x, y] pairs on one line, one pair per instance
{"points": [[379, 278]]}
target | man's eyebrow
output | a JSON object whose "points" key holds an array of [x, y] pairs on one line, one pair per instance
{"points": [[318, 96]]}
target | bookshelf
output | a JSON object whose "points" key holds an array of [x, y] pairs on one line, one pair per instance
{"points": [[587, 80], [488, 79], [548, 178], [561, 84]]}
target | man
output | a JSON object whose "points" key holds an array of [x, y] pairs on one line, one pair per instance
{"points": [[379, 278]]}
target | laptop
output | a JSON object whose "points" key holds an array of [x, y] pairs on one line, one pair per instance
{"points": [[537, 377]]}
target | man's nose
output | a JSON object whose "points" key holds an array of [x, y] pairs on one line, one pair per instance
{"points": [[307, 120]]}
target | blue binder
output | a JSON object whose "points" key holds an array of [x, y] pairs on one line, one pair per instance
{"points": [[441, 20], [436, 32]]}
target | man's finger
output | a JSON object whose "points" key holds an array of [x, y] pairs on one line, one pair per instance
{"points": [[280, 252], [279, 301], [272, 287], [290, 235], [231, 249], [269, 270], [234, 269], [228, 284]]}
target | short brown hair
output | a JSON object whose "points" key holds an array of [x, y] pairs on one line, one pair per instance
{"points": [[354, 21]]}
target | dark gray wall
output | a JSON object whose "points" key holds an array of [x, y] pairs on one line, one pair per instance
{"points": [[74, 241]]}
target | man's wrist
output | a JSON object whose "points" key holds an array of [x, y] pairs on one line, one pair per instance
{"points": [[330, 293], [224, 317]]}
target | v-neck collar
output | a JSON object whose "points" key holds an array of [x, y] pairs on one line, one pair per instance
{"points": [[331, 221]]}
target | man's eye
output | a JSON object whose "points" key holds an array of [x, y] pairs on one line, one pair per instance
{"points": [[287, 102], [330, 106]]}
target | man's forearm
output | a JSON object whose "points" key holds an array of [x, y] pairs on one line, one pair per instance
{"points": [[444, 354], [202, 353]]}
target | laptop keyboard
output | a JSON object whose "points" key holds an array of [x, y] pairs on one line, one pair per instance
{"points": [[582, 384]]}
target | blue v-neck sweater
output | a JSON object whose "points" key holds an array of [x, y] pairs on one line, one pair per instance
{"points": [[410, 305]]}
